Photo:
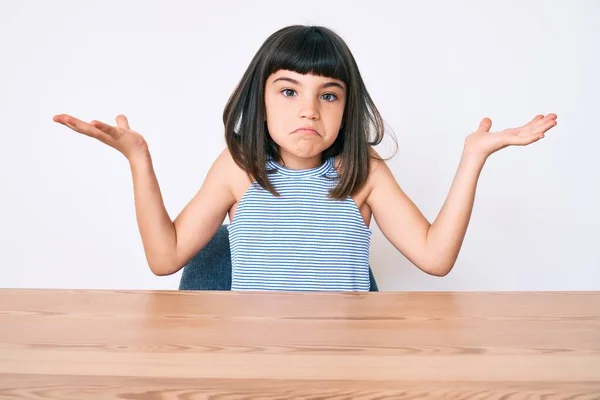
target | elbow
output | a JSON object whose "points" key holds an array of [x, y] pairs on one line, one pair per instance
{"points": [[438, 269], [438, 265], [163, 269], [440, 272], [160, 272], [163, 264]]}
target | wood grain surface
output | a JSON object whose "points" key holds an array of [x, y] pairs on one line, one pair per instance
{"points": [[92, 344]]}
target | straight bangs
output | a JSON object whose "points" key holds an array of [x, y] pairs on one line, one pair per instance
{"points": [[308, 51]]}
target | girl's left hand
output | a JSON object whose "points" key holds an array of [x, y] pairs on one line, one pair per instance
{"points": [[483, 143]]}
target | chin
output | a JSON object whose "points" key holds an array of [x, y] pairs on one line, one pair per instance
{"points": [[308, 153]]}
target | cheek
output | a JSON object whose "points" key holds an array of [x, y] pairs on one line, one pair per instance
{"points": [[279, 117], [273, 108], [335, 117], [275, 121]]}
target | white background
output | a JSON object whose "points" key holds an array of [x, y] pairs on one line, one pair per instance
{"points": [[434, 69]]}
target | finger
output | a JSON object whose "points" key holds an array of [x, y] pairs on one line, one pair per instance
{"points": [[108, 129], [485, 125], [518, 140], [534, 120], [81, 127], [122, 122], [61, 118], [545, 124]]}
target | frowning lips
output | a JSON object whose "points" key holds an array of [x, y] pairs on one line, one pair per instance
{"points": [[307, 130]]}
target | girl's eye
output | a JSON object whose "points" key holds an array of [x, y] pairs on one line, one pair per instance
{"points": [[286, 92], [332, 97], [329, 97]]}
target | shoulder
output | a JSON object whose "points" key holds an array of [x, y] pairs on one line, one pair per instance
{"points": [[380, 173], [226, 164], [225, 161], [376, 162], [377, 169], [231, 173]]}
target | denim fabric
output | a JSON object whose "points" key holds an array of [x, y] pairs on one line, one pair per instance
{"points": [[210, 269]]}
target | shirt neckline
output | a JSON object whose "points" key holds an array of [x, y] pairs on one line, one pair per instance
{"points": [[322, 169]]}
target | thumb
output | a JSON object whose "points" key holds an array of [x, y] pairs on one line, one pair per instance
{"points": [[485, 125], [122, 122]]}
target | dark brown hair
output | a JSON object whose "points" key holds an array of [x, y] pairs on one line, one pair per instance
{"points": [[306, 50]]}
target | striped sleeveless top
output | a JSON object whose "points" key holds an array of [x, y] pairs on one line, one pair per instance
{"points": [[301, 241]]}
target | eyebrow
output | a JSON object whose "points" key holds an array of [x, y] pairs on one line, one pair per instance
{"points": [[295, 82]]}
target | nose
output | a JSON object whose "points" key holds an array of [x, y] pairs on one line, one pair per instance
{"points": [[309, 109]]}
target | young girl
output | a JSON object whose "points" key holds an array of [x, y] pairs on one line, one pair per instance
{"points": [[299, 177]]}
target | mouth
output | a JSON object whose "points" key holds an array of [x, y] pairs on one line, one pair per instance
{"points": [[306, 131]]}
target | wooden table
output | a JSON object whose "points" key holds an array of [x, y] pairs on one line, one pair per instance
{"points": [[86, 344]]}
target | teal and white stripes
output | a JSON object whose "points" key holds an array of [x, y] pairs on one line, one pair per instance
{"points": [[301, 241]]}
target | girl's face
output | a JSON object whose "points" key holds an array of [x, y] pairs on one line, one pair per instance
{"points": [[304, 115]]}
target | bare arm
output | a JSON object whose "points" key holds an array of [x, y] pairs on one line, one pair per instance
{"points": [[204, 214], [399, 219], [446, 235], [435, 247], [168, 245], [154, 224]]}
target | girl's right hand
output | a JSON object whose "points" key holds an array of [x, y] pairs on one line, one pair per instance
{"points": [[128, 142]]}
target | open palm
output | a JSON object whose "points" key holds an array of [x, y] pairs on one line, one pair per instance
{"points": [[121, 137], [484, 142]]}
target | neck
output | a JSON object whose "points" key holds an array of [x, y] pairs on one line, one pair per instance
{"points": [[299, 163]]}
